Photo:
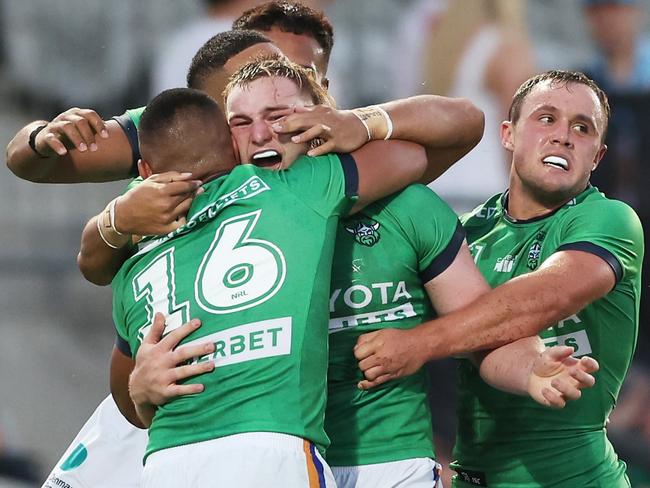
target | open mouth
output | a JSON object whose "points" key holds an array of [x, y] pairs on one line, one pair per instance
{"points": [[556, 162], [268, 157]]}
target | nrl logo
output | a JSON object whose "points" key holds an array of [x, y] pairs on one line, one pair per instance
{"points": [[365, 231]]}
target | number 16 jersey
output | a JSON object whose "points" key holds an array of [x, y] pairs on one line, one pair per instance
{"points": [[252, 262]]}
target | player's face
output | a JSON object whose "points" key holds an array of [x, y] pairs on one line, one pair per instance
{"points": [[301, 49], [252, 110], [556, 143], [215, 83]]}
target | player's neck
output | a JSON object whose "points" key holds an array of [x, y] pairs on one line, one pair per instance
{"points": [[522, 205]]}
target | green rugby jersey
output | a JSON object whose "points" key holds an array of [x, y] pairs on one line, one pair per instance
{"points": [[381, 260], [253, 263], [506, 440]]}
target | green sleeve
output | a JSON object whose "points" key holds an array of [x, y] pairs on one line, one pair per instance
{"points": [[328, 184], [611, 230], [437, 237]]}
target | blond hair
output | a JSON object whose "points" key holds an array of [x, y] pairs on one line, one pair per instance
{"points": [[279, 66]]}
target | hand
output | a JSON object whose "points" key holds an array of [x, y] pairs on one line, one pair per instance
{"points": [[158, 205], [557, 376], [73, 129], [387, 354], [156, 374], [340, 130]]}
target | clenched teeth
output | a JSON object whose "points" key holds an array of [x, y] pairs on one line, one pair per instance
{"points": [[557, 161], [269, 153]]}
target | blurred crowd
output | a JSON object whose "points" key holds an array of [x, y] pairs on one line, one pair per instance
{"points": [[115, 55]]}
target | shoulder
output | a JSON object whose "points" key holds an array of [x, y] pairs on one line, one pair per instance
{"points": [[607, 213]]}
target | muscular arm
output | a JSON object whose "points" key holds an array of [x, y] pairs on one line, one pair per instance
{"points": [[523, 367], [77, 146], [448, 128], [522, 307], [156, 206], [121, 368]]}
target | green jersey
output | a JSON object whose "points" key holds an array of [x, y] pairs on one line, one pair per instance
{"points": [[511, 441], [253, 262], [381, 260]]}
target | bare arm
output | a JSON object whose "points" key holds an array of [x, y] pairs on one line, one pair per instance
{"points": [[548, 375], [76, 146], [157, 206], [385, 167], [522, 307], [121, 367], [448, 128], [523, 367]]}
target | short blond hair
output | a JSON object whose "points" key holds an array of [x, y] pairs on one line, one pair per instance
{"points": [[279, 66]]}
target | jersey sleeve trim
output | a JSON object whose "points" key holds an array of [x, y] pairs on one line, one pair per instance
{"points": [[601, 252], [443, 260], [123, 346], [351, 174], [131, 131]]}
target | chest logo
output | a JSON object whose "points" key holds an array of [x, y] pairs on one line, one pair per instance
{"points": [[365, 231], [535, 251]]}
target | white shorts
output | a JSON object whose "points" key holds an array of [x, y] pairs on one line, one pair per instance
{"points": [[107, 452], [409, 473], [249, 460]]}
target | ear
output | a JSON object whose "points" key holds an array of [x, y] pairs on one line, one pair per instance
{"points": [[507, 135], [325, 83], [599, 156], [235, 148], [144, 169]]}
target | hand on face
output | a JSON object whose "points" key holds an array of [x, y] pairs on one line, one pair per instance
{"points": [[337, 130]]}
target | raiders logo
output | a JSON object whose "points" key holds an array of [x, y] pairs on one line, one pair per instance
{"points": [[365, 231]]}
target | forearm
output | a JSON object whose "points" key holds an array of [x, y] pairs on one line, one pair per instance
{"points": [[509, 367], [98, 262], [448, 128], [520, 308], [23, 161]]}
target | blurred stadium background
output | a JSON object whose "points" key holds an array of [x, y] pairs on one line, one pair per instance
{"points": [[56, 329]]}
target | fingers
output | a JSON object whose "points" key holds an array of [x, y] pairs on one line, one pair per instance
{"points": [[566, 388], [325, 148], [589, 364], [52, 141], [584, 379], [185, 353], [375, 372], [188, 389], [296, 122], [367, 384], [553, 397], [559, 353], [171, 340], [187, 371], [364, 348], [156, 331], [319, 130]]}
